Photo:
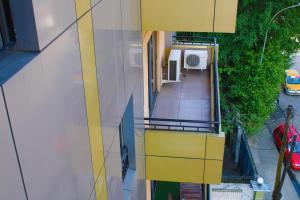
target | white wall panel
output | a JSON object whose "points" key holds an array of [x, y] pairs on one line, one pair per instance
{"points": [[110, 72], [119, 71], [119, 65], [133, 72], [11, 186], [52, 17], [47, 109]]}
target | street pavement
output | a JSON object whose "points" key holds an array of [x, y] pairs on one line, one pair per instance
{"points": [[263, 149]]}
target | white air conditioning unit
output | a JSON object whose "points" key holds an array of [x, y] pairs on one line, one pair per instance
{"points": [[195, 59], [174, 64], [135, 55]]}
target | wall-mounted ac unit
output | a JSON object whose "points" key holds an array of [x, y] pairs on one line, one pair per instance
{"points": [[174, 63], [135, 55], [195, 59]]}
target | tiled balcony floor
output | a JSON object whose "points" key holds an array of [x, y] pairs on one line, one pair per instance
{"points": [[188, 99]]}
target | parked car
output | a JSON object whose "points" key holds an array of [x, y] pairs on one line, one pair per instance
{"points": [[292, 82], [278, 135]]}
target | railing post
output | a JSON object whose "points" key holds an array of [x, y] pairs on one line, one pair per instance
{"points": [[216, 88]]}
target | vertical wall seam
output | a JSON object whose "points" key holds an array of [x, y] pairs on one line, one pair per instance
{"points": [[214, 16], [141, 20], [14, 142], [123, 53]]}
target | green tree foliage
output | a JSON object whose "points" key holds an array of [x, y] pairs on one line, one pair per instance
{"points": [[248, 89]]}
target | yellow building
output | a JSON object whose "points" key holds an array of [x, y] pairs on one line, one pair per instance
{"points": [[94, 105]]}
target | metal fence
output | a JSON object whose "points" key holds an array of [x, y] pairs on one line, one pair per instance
{"points": [[246, 161], [243, 158]]}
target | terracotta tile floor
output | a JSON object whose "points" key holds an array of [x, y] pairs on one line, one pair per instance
{"points": [[188, 99]]}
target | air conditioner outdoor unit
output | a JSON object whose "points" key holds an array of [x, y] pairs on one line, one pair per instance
{"points": [[195, 59], [174, 64], [135, 55]]}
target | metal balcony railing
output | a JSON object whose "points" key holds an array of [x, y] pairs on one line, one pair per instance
{"points": [[206, 41], [190, 39], [182, 125], [217, 113]]}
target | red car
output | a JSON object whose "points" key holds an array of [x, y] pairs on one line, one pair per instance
{"points": [[278, 135]]}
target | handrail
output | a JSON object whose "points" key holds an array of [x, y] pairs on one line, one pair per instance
{"points": [[180, 120], [194, 36], [194, 39], [216, 88], [181, 125]]}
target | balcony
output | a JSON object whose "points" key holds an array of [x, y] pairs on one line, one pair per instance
{"points": [[184, 142], [192, 104]]}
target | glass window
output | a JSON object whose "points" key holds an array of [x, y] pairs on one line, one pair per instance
{"points": [[293, 79], [6, 24], [297, 147], [1, 42], [127, 143], [124, 152]]}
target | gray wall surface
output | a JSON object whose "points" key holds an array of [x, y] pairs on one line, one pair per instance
{"points": [[52, 17], [46, 103], [120, 75], [47, 110], [11, 186]]}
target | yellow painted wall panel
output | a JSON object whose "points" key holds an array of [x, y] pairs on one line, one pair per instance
{"points": [[169, 152], [175, 144], [100, 186], [178, 15], [213, 171], [91, 88], [174, 169], [82, 6], [225, 17], [215, 146], [88, 62]]}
